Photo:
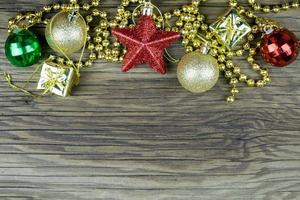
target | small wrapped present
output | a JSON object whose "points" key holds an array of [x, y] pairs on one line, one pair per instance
{"points": [[57, 79], [231, 29]]}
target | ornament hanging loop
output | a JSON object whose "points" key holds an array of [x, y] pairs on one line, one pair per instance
{"points": [[206, 45], [147, 9], [266, 25]]}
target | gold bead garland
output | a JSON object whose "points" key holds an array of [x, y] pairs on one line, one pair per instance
{"points": [[273, 8], [190, 13], [187, 20]]}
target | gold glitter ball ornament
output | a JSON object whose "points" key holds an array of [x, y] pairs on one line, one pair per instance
{"points": [[66, 32], [198, 72]]}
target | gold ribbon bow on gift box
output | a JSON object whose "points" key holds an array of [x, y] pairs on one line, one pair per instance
{"points": [[56, 79], [230, 29]]}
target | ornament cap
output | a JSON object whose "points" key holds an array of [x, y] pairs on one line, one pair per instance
{"points": [[205, 48], [147, 9], [269, 31], [73, 16]]}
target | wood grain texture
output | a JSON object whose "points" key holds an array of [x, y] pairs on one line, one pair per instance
{"points": [[140, 136]]}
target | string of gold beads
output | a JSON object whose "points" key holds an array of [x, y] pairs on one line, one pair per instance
{"points": [[273, 8], [187, 20]]}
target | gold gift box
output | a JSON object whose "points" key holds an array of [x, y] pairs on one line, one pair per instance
{"points": [[57, 79], [230, 29]]}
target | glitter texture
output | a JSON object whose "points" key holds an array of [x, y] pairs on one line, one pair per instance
{"points": [[198, 72], [66, 36], [145, 44]]}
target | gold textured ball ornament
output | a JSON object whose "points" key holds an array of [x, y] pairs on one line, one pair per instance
{"points": [[198, 72], [66, 32]]}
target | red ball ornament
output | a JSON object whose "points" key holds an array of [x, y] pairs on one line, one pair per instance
{"points": [[280, 47]]}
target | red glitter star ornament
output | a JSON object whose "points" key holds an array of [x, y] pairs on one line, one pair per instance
{"points": [[145, 44]]}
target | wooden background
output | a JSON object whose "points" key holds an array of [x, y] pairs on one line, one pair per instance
{"points": [[140, 136]]}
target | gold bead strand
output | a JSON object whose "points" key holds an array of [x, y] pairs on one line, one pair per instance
{"points": [[94, 12], [106, 47], [26, 20], [246, 47], [188, 22], [193, 41], [265, 78], [257, 7]]}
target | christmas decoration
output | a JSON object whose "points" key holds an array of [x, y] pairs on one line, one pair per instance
{"points": [[279, 47], [198, 72], [57, 79], [66, 32], [22, 48], [231, 29], [145, 44], [230, 37]]}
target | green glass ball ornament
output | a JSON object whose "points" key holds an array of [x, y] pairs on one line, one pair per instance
{"points": [[198, 72], [66, 32], [22, 48]]}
